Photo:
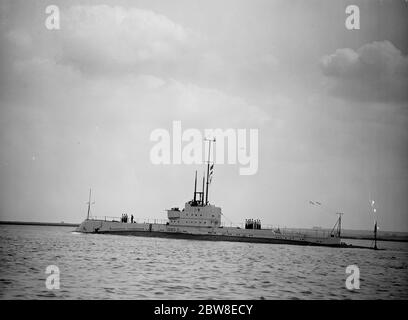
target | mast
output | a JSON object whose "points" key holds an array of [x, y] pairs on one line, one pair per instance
{"points": [[339, 225], [195, 187], [208, 168], [374, 211], [89, 205], [375, 235], [208, 172], [202, 194]]}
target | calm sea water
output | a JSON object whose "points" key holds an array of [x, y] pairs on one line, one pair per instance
{"points": [[125, 267]]}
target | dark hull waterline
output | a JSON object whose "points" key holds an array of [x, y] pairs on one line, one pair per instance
{"points": [[185, 236]]}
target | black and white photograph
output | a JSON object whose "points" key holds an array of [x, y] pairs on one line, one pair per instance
{"points": [[193, 150]]}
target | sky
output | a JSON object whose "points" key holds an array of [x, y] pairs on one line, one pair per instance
{"points": [[78, 106]]}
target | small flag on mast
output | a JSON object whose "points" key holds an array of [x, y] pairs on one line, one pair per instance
{"points": [[211, 171]]}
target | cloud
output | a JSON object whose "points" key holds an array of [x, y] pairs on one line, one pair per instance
{"points": [[140, 57], [377, 71], [58, 92], [62, 130], [19, 38], [114, 39]]}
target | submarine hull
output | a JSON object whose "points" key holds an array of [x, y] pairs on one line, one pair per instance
{"points": [[203, 233]]}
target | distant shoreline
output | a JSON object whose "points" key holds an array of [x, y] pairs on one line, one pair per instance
{"points": [[50, 224], [372, 239], [345, 234]]}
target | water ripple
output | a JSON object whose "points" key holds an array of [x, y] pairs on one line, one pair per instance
{"points": [[125, 267]]}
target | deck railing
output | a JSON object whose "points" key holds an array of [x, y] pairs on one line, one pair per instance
{"points": [[135, 220], [316, 233]]}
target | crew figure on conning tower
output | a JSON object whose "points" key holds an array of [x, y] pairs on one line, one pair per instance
{"points": [[253, 224]]}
